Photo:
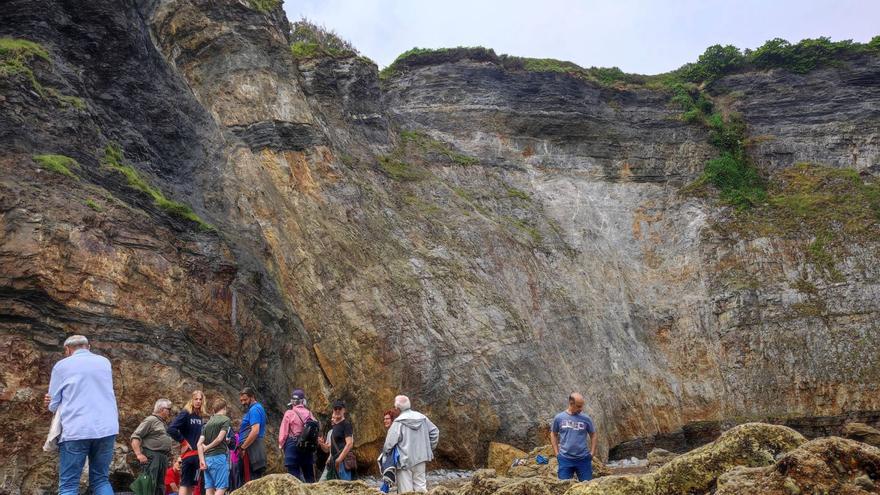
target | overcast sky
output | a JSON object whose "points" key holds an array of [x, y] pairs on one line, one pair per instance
{"points": [[640, 36]]}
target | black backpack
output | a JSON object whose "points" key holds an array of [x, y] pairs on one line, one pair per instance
{"points": [[307, 442]]}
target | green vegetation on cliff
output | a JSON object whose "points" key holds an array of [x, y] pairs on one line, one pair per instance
{"points": [[16, 59], [802, 57], [829, 209], [115, 159], [427, 145], [736, 179], [429, 56], [265, 5], [57, 163], [309, 40], [717, 61]]}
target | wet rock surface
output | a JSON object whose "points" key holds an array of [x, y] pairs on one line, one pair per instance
{"points": [[824, 465], [484, 240]]}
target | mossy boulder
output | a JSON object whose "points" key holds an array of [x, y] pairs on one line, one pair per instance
{"points": [[696, 472], [486, 482], [274, 484], [824, 465], [501, 456], [659, 457], [338, 487], [285, 484]]}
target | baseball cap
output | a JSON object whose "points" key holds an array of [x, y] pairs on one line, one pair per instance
{"points": [[338, 403], [296, 396]]}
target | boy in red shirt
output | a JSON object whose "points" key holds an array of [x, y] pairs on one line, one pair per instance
{"points": [[172, 478]]}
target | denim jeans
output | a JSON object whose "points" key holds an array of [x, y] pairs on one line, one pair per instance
{"points": [[343, 473], [72, 456], [568, 467]]}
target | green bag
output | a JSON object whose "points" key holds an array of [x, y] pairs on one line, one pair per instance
{"points": [[144, 485]]}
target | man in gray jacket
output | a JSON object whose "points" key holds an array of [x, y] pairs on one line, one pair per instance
{"points": [[415, 437]]}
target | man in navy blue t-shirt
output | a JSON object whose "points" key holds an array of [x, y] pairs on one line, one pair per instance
{"points": [[574, 440]]}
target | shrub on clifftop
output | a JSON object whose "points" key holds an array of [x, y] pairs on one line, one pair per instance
{"points": [[309, 40]]}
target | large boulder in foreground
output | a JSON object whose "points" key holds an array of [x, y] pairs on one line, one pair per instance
{"points": [[285, 484], [486, 482], [825, 465], [696, 472], [659, 457], [274, 484]]}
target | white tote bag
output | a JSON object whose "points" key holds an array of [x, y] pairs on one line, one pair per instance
{"points": [[51, 444]]}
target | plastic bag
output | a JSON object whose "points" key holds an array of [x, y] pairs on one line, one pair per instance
{"points": [[144, 485]]}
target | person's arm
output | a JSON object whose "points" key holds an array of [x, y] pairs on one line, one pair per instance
{"points": [[252, 436], [323, 443], [53, 398], [554, 437], [136, 448], [136, 440], [393, 437], [174, 487], [282, 432], [593, 442], [220, 437], [201, 447], [433, 434]]}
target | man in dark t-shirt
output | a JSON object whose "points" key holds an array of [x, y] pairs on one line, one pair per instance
{"points": [[341, 441]]}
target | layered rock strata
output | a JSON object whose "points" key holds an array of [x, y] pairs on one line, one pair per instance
{"points": [[483, 239]]}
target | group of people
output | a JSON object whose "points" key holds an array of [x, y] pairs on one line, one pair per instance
{"points": [[214, 457]]}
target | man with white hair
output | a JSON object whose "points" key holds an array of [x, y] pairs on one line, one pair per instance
{"points": [[415, 437], [81, 392], [151, 443]]}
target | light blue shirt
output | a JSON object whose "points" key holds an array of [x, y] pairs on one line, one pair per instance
{"points": [[81, 388]]}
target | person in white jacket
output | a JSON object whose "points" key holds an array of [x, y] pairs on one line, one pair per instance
{"points": [[415, 437]]}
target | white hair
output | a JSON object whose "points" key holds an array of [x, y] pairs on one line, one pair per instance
{"points": [[402, 402], [76, 341], [161, 404]]}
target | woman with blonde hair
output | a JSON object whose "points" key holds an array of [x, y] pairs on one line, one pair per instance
{"points": [[186, 429]]}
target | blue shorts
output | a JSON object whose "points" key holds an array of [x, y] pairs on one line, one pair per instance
{"points": [[217, 474], [568, 467]]}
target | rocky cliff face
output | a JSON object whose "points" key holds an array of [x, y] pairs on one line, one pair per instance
{"points": [[483, 239]]}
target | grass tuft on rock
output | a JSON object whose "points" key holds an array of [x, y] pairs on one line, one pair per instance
{"points": [[93, 205], [265, 6], [16, 57], [115, 159], [425, 144], [16, 60], [400, 170], [309, 40], [59, 164]]}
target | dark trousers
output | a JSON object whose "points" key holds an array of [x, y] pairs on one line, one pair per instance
{"points": [[299, 464], [156, 468]]}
